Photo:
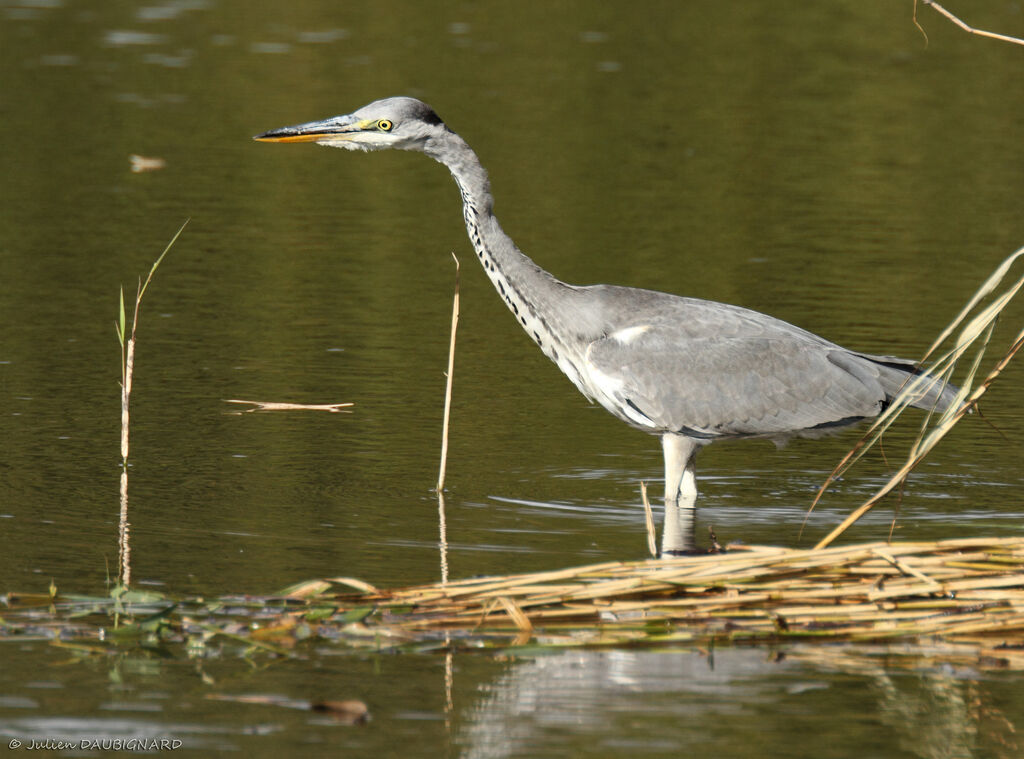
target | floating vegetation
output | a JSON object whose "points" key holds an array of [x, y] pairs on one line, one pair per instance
{"points": [[141, 163], [966, 593], [347, 712]]}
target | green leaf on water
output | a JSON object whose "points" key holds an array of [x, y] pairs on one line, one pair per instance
{"points": [[357, 615], [133, 596], [319, 613], [121, 632], [158, 619], [149, 624]]}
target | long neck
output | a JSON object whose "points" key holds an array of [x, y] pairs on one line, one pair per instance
{"points": [[544, 306]]}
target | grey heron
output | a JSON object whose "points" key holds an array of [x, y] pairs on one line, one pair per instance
{"points": [[688, 370]]}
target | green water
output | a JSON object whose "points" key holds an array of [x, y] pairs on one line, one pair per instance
{"points": [[816, 162]]}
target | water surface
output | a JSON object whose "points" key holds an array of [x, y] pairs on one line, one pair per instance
{"points": [[821, 164]]}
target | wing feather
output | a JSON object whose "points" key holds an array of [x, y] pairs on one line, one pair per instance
{"points": [[753, 382]]}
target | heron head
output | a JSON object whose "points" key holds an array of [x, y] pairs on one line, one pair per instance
{"points": [[399, 122]]}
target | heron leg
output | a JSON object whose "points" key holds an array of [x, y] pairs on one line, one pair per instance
{"points": [[680, 494]]}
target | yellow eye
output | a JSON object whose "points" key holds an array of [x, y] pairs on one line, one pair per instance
{"points": [[384, 125]]}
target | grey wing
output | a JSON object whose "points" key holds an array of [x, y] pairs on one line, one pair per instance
{"points": [[661, 379]]}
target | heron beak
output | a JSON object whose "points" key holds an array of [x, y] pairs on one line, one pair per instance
{"points": [[338, 128]]}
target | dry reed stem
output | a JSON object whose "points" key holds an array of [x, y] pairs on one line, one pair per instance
{"points": [[869, 592], [448, 380], [907, 569], [976, 333], [127, 373], [124, 550], [652, 535], [516, 613], [963, 25], [352, 582], [128, 370], [128, 367], [442, 536]]}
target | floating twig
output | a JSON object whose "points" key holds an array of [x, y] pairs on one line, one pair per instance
{"points": [[334, 408], [141, 163]]}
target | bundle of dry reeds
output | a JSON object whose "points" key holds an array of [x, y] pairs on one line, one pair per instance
{"points": [[877, 591]]}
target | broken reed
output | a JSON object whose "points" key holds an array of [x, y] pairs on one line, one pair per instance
{"points": [[973, 328], [880, 591], [962, 24], [128, 347], [127, 371]]}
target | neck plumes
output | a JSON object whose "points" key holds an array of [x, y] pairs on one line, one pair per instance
{"points": [[541, 304]]}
